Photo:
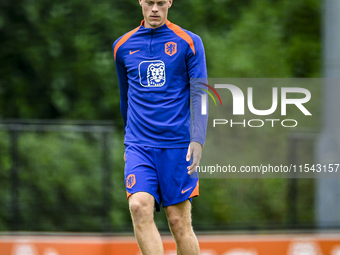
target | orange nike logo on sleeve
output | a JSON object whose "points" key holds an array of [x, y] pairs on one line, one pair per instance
{"points": [[183, 191], [132, 52]]}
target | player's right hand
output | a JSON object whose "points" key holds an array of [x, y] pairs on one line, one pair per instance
{"points": [[194, 151]]}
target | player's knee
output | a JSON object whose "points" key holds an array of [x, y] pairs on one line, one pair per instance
{"points": [[177, 225], [140, 211], [138, 208]]}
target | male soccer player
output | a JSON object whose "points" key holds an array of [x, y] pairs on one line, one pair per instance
{"points": [[156, 63]]}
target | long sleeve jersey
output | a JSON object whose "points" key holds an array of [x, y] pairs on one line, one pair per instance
{"points": [[154, 68]]}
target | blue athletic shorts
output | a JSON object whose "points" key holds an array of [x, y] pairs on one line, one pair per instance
{"points": [[161, 172]]}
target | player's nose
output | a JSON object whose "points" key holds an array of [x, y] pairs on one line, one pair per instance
{"points": [[155, 8]]}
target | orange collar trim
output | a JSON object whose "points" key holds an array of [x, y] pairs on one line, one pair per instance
{"points": [[143, 21]]}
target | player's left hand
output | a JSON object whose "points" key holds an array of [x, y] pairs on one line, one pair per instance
{"points": [[194, 150]]}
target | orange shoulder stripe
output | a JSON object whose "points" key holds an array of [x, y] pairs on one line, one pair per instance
{"points": [[181, 33], [124, 39], [195, 192]]}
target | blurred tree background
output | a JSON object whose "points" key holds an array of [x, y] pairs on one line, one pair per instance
{"points": [[56, 63]]}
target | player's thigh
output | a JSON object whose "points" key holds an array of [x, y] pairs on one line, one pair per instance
{"points": [[140, 173]]}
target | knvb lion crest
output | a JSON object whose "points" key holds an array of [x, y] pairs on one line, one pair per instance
{"points": [[152, 73], [130, 181], [171, 48], [155, 75]]}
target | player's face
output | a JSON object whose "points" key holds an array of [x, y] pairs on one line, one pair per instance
{"points": [[155, 12]]}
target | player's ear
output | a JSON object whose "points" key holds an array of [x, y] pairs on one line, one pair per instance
{"points": [[140, 2], [170, 3]]}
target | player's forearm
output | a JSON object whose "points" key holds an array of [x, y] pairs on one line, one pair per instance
{"points": [[199, 121]]}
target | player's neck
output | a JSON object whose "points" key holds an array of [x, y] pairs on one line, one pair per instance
{"points": [[147, 25]]}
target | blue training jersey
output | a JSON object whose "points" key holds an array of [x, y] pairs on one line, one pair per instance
{"points": [[154, 68]]}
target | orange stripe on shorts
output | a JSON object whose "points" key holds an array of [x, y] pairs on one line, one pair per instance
{"points": [[195, 192]]}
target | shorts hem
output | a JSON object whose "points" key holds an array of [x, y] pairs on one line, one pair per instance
{"points": [[179, 201]]}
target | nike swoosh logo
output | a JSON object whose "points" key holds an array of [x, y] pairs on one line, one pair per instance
{"points": [[183, 191], [133, 52]]}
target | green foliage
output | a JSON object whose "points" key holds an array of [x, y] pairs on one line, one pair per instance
{"points": [[5, 164], [270, 39], [60, 182], [61, 54]]}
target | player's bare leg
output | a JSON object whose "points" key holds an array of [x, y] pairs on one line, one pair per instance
{"points": [[179, 217], [142, 213]]}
